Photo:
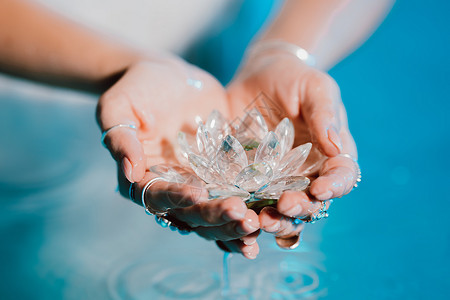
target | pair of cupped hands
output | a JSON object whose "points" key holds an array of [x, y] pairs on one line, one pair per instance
{"points": [[162, 96]]}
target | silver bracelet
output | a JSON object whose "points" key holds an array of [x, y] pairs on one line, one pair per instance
{"points": [[273, 45]]}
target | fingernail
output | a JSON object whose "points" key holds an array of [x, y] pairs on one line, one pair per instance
{"points": [[245, 228], [294, 211], [325, 196], [273, 228], [250, 255], [233, 215], [127, 169], [335, 139], [249, 241]]}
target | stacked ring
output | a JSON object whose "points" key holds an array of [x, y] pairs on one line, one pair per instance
{"points": [[164, 219]]}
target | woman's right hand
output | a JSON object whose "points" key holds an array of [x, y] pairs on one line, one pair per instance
{"points": [[161, 97]]}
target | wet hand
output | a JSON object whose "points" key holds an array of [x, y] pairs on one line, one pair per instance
{"points": [[311, 99]]}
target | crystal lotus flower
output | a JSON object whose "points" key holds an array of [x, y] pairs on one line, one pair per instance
{"points": [[246, 160]]}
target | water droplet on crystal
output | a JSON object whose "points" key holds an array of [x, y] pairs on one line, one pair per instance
{"points": [[285, 133], [252, 130], [252, 177], [203, 168], [293, 160], [275, 188], [217, 127], [222, 191], [230, 158], [269, 150]]}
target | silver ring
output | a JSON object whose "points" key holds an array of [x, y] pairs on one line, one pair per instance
{"points": [[358, 169], [105, 133], [148, 210]]}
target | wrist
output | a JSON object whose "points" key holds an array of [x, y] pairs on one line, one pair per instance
{"points": [[280, 47]]}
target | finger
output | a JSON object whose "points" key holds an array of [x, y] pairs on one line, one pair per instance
{"points": [[231, 230], [337, 177], [251, 238], [161, 196], [122, 142], [273, 222], [212, 213], [320, 109], [248, 251], [298, 205]]}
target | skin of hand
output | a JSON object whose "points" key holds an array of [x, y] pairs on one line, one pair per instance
{"points": [[311, 99], [157, 98]]}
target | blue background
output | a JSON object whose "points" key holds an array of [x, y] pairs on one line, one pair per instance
{"points": [[390, 238], [66, 234]]}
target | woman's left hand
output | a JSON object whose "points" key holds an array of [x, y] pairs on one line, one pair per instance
{"points": [[287, 87]]}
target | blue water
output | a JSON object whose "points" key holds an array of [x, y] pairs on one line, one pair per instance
{"points": [[66, 233]]}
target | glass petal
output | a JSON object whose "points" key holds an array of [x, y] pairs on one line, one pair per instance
{"points": [[204, 169], [174, 173], [185, 146], [269, 150], [254, 176], [275, 188], [230, 158], [217, 127], [293, 160], [204, 142], [285, 133], [252, 130], [222, 191]]}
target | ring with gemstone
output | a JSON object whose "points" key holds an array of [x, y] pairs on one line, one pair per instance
{"points": [[322, 213]]}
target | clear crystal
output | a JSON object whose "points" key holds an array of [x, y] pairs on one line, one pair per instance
{"points": [[275, 188], [252, 177], [293, 160], [204, 169], [217, 126], [183, 143], [204, 142], [252, 130], [285, 133], [175, 173], [230, 158], [222, 191], [269, 150]]}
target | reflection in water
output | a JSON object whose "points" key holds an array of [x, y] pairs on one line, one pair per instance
{"points": [[275, 274]]}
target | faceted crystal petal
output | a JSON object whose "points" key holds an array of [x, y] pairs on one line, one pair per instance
{"points": [[168, 173], [217, 127], [185, 147], [222, 191], [252, 177], [204, 142], [204, 169], [252, 130], [174, 173], [230, 158], [275, 188], [293, 160], [269, 150], [285, 133]]}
